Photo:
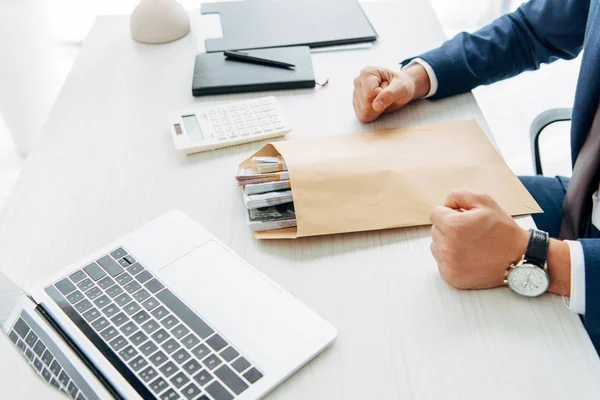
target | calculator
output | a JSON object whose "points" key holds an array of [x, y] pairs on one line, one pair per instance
{"points": [[223, 125]]}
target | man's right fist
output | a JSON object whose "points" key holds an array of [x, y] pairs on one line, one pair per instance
{"points": [[381, 90]]}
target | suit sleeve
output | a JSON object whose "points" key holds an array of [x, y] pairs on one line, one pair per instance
{"points": [[591, 252], [540, 31]]}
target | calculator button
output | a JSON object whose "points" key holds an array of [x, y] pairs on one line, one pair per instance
{"points": [[232, 134], [236, 113], [219, 130], [267, 129], [247, 112], [233, 108], [242, 126], [253, 124], [275, 119], [238, 120], [265, 101], [245, 132], [272, 113], [227, 121], [217, 123], [256, 131], [279, 126], [221, 137]]}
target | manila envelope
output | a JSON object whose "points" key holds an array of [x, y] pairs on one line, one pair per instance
{"points": [[390, 178]]}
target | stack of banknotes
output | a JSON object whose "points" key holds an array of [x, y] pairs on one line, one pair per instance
{"points": [[267, 194]]}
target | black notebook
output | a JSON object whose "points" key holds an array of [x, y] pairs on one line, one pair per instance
{"points": [[214, 74]]}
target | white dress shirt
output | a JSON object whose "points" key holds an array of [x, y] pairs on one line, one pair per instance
{"points": [[577, 300]]}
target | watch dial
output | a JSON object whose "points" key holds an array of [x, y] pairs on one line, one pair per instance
{"points": [[528, 280]]}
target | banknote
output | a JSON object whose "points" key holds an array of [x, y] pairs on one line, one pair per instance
{"points": [[268, 199], [269, 218], [247, 176], [269, 164], [256, 188]]}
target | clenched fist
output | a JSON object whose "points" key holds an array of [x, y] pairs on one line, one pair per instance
{"points": [[380, 90]]}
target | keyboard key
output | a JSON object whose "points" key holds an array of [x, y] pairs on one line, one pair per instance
{"points": [[130, 259], [110, 266], [150, 304], [47, 375], [77, 276], [39, 348], [141, 317], [212, 361], [216, 342], [138, 363], [132, 308], [106, 282], [150, 326], [109, 333], [203, 377], [31, 338], [148, 374], [143, 276], [190, 341], [102, 301], [123, 263], [241, 364], [141, 295], [180, 331], [124, 278], [160, 312], [158, 358], [64, 378], [14, 337], [229, 354], [218, 392], [252, 375], [38, 365], [201, 351], [122, 299], [154, 285], [138, 338], [85, 284], [29, 354], [132, 287], [114, 291], [135, 269], [170, 322], [74, 297], [118, 253], [94, 271], [100, 324], [148, 348], [110, 310], [170, 346], [129, 328], [47, 358], [160, 336], [21, 328], [73, 390], [179, 380], [93, 293], [169, 395], [65, 286], [55, 383], [231, 380], [180, 356], [128, 353], [158, 385], [184, 313], [91, 314], [192, 367], [83, 306], [118, 343], [168, 369], [55, 368], [119, 319], [21, 345]]}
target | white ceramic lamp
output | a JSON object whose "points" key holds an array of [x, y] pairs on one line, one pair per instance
{"points": [[159, 21]]}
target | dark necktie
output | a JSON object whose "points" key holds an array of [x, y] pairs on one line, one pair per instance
{"points": [[577, 206]]}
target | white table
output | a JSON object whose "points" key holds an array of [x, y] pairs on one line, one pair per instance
{"points": [[105, 164]]}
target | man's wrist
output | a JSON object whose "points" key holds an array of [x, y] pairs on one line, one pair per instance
{"points": [[420, 78], [559, 267]]}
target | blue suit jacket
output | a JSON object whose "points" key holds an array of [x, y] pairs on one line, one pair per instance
{"points": [[540, 31]]}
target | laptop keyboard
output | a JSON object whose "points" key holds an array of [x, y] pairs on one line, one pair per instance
{"points": [[159, 344], [45, 359]]}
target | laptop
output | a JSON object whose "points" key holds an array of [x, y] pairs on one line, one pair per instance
{"points": [[166, 312]]}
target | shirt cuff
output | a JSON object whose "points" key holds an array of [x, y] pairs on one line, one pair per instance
{"points": [[577, 301], [433, 82]]}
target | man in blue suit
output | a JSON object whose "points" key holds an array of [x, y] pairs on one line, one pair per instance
{"points": [[475, 243]]}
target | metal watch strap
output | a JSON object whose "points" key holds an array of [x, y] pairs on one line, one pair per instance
{"points": [[537, 249]]}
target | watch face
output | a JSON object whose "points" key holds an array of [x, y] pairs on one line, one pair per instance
{"points": [[528, 280]]}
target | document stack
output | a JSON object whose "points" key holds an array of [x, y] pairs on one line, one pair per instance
{"points": [[267, 194]]}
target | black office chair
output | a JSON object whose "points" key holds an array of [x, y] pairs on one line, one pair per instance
{"points": [[537, 127]]}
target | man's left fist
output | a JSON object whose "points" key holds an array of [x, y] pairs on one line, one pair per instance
{"points": [[475, 240]]}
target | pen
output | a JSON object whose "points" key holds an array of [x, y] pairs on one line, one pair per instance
{"points": [[245, 57]]}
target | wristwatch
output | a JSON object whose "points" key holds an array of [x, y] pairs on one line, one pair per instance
{"points": [[529, 277]]}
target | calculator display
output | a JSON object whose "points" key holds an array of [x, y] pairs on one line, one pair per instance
{"points": [[192, 127]]}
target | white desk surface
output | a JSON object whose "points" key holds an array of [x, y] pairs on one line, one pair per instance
{"points": [[105, 164]]}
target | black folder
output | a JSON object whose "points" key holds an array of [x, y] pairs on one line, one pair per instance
{"points": [[214, 74]]}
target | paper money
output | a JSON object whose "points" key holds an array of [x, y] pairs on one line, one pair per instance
{"points": [[256, 188], [268, 199], [269, 164], [247, 176], [269, 218]]}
